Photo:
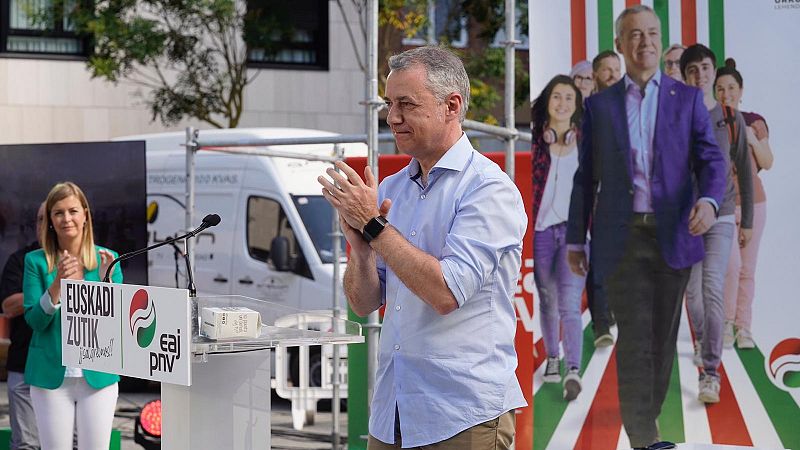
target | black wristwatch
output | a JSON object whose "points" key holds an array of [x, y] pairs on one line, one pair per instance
{"points": [[373, 228]]}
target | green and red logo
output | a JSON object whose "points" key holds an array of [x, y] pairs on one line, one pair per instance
{"points": [[143, 318], [783, 364]]}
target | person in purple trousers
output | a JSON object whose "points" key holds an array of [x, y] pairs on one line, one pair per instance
{"points": [[556, 116]]}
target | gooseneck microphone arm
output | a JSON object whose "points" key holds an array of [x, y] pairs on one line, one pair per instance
{"points": [[208, 221]]}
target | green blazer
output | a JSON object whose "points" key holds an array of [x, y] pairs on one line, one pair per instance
{"points": [[44, 368]]}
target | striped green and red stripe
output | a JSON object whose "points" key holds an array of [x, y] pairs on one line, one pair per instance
{"points": [[606, 15], [603, 423], [726, 421]]}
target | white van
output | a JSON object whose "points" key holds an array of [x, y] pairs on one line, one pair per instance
{"points": [[262, 201]]}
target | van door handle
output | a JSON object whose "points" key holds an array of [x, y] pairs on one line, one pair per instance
{"points": [[220, 279], [246, 280]]}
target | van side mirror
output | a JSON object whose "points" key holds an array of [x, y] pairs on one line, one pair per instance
{"points": [[279, 254]]}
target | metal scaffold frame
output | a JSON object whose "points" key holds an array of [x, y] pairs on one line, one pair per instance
{"points": [[373, 104]]}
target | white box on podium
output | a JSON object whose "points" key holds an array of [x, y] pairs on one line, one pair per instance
{"points": [[230, 322]]}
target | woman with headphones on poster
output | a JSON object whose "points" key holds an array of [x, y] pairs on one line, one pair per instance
{"points": [[556, 116], [63, 397]]}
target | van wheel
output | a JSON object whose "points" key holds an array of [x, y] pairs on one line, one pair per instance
{"points": [[314, 367]]}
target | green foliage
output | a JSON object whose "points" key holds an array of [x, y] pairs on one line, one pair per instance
{"points": [[483, 97], [486, 69], [189, 53], [485, 65], [490, 14], [406, 16]]}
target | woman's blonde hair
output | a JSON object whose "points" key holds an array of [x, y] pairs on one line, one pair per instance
{"points": [[48, 235]]}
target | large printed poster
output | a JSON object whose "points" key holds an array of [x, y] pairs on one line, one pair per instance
{"points": [[760, 387], [111, 174]]}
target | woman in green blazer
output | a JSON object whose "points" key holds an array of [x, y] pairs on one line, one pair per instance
{"points": [[63, 396]]}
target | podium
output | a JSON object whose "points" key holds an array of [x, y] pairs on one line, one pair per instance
{"points": [[215, 393]]}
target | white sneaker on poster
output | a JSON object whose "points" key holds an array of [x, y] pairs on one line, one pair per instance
{"points": [[572, 384], [728, 336], [709, 389], [552, 371], [744, 339]]}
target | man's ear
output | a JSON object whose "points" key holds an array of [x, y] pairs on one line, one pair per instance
{"points": [[454, 103], [618, 45]]}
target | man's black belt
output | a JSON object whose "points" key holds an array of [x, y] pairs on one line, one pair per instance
{"points": [[644, 218]]}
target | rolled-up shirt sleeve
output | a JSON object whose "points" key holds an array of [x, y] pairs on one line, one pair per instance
{"points": [[47, 303], [490, 222]]}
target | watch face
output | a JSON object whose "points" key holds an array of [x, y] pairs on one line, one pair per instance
{"points": [[374, 227]]}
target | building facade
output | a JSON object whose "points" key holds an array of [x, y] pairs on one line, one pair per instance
{"points": [[47, 93]]}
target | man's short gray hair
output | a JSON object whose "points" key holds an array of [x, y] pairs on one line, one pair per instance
{"points": [[636, 9], [671, 48], [445, 72]]}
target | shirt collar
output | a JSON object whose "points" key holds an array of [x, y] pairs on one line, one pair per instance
{"points": [[656, 80], [455, 158]]}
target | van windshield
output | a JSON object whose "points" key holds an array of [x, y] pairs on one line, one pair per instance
{"points": [[317, 215]]}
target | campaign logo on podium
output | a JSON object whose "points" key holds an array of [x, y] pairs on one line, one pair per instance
{"points": [[142, 318], [137, 331]]}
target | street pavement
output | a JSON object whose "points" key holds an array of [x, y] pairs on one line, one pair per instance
{"points": [[284, 437]]}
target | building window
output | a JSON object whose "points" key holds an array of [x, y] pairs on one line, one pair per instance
{"points": [[520, 34], [23, 33], [284, 34], [451, 25]]}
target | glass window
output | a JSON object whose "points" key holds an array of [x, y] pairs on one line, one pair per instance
{"points": [[281, 34], [451, 25], [317, 216], [265, 221], [24, 28]]}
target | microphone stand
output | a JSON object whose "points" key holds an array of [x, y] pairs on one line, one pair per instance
{"points": [[176, 253], [191, 287], [189, 273]]}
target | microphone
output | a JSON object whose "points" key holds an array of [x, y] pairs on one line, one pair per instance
{"points": [[209, 221]]}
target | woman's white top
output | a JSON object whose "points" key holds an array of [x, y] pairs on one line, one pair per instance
{"points": [[554, 208]]}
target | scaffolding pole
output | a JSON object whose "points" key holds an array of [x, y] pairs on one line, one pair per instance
{"points": [[336, 236], [373, 104], [509, 89]]}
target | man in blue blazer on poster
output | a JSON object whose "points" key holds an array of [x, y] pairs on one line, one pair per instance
{"points": [[650, 180]]}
